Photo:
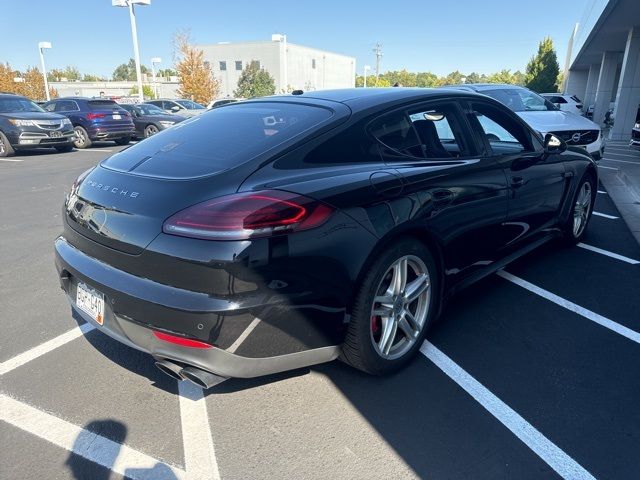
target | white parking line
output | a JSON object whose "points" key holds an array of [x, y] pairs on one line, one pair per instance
{"points": [[604, 215], [602, 191], [609, 254], [199, 455], [10, 160], [43, 348], [616, 154], [95, 448], [93, 151], [608, 168], [588, 314], [619, 161], [548, 451]]}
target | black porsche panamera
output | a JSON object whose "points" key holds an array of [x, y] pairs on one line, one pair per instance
{"points": [[287, 231]]}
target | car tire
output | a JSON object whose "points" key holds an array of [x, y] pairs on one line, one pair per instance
{"points": [[64, 148], [150, 130], [123, 141], [82, 138], [6, 150], [388, 322], [581, 209]]}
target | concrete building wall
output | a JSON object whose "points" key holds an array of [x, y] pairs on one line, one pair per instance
{"points": [[110, 89], [306, 68]]}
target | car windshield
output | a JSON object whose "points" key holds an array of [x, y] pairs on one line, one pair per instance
{"points": [[188, 104], [221, 139], [18, 105], [150, 109], [520, 99]]}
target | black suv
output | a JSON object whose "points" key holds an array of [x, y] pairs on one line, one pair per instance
{"points": [[24, 125]]}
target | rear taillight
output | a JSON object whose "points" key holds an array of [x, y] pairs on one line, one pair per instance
{"points": [[182, 341], [247, 215], [93, 116]]}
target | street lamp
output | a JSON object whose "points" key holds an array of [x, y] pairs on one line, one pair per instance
{"points": [[134, 35], [154, 61], [41, 47], [366, 69]]}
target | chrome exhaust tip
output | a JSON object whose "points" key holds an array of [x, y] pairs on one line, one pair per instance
{"points": [[169, 368], [200, 377]]}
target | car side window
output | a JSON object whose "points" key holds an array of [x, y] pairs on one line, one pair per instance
{"points": [[396, 136], [49, 107], [501, 132], [440, 132]]}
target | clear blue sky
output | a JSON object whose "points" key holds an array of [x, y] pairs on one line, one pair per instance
{"points": [[420, 35]]}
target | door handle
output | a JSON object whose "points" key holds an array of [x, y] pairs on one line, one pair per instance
{"points": [[517, 182], [442, 197]]}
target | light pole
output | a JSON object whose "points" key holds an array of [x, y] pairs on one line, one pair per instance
{"points": [[366, 69], [134, 35], [154, 61], [41, 47]]}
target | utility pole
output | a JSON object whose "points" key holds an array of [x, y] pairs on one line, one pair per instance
{"points": [[378, 51]]}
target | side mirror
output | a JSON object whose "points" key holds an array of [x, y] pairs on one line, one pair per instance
{"points": [[175, 108], [553, 145]]}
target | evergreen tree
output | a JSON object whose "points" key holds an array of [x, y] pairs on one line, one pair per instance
{"points": [[543, 69], [254, 82]]}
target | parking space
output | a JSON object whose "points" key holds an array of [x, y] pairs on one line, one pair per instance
{"points": [[531, 373]]}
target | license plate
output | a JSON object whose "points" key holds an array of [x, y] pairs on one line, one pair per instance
{"points": [[116, 116], [55, 134], [91, 302]]}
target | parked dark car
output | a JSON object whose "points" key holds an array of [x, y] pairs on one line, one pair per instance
{"points": [[94, 119], [277, 233], [180, 106], [149, 119], [24, 125], [635, 132]]}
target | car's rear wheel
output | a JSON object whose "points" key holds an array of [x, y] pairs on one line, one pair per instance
{"points": [[123, 141], [6, 150], [394, 306], [64, 148], [150, 130], [82, 138], [582, 207]]}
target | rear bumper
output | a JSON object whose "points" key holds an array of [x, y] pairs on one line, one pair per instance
{"points": [[100, 134], [286, 337]]}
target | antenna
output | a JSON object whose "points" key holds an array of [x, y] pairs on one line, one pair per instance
{"points": [[378, 51]]}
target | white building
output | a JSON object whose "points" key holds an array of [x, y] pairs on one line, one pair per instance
{"points": [[292, 66], [604, 62]]}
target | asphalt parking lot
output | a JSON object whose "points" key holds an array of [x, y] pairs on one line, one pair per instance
{"points": [[531, 373]]}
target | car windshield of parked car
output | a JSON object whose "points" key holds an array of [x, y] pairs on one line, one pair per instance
{"points": [[188, 104], [520, 99], [150, 110], [219, 140], [18, 105]]}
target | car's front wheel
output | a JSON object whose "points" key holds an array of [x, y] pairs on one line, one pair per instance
{"points": [[150, 130], [394, 306], [6, 150], [582, 207]]}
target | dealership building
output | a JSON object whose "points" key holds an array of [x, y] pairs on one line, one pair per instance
{"points": [[604, 62], [292, 66]]}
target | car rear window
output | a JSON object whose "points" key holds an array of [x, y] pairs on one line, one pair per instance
{"points": [[102, 104], [218, 139]]}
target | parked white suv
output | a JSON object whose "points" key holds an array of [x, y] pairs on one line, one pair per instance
{"points": [[566, 103], [544, 116]]}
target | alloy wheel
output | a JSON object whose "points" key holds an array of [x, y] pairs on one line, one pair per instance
{"points": [[581, 209], [81, 138], [3, 148], [400, 307], [151, 130]]}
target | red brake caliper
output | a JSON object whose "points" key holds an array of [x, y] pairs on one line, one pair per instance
{"points": [[375, 324]]}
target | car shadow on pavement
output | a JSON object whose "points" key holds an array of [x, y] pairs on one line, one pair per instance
{"points": [[87, 449]]}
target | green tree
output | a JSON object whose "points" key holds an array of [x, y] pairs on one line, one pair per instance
{"points": [[371, 81], [543, 69], [167, 72], [426, 79], [254, 82], [87, 77], [147, 91], [127, 71]]}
